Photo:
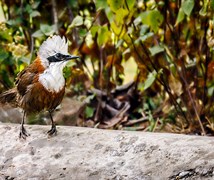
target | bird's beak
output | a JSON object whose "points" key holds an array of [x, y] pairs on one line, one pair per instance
{"points": [[69, 57]]}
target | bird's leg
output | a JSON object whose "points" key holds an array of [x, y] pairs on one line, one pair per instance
{"points": [[53, 130], [23, 133]]}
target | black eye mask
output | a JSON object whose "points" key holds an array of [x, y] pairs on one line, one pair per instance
{"points": [[61, 57]]}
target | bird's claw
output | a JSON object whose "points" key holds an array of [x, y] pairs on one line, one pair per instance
{"points": [[52, 131], [23, 134]]}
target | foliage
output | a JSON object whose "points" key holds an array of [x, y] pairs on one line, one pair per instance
{"points": [[171, 42]]}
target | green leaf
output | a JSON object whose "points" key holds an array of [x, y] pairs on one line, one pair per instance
{"points": [[94, 30], [28, 9], [137, 21], [87, 23], [15, 22], [153, 19], [203, 11], [100, 4], [180, 17], [3, 55], [77, 21], [83, 32], [67, 72], [6, 78], [143, 29], [149, 81], [115, 28], [130, 4], [71, 63], [187, 6], [210, 91], [212, 4], [38, 34], [89, 111], [120, 15], [115, 4], [156, 49], [89, 98], [46, 29], [6, 35], [109, 14], [25, 60], [35, 14], [103, 36], [146, 36], [35, 4]]}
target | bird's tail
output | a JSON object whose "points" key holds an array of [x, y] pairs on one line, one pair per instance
{"points": [[8, 96]]}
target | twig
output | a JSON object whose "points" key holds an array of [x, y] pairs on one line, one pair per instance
{"points": [[194, 106], [135, 121], [161, 81], [74, 30], [207, 60], [174, 36], [156, 123], [55, 16], [31, 47]]}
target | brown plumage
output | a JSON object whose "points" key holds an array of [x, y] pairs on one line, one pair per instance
{"points": [[41, 85]]}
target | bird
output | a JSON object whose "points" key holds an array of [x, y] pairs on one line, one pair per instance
{"points": [[41, 85]]}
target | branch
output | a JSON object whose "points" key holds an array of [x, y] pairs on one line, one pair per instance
{"points": [[55, 16]]}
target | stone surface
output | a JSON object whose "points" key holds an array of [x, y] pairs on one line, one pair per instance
{"points": [[10, 114], [84, 153], [69, 112]]}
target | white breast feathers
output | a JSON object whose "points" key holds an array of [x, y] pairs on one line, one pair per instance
{"points": [[52, 78]]}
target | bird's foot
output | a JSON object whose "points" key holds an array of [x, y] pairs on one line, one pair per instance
{"points": [[23, 134], [52, 131]]}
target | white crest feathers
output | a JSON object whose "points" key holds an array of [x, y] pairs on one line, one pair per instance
{"points": [[53, 45]]}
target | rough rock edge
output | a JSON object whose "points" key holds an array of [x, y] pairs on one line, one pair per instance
{"points": [[84, 153]]}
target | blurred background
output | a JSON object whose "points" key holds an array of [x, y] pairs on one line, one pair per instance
{"points": [[145, 64]]}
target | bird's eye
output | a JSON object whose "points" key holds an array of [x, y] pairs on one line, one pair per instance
{"points": [[57, 55]]}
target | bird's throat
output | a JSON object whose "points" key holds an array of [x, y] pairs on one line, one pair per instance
{"points": [[52, 78]]}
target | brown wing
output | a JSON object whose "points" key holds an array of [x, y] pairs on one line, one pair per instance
{"points": [[24, 79], [37, 98]]}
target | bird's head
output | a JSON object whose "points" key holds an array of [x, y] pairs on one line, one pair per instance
{"points": [[54, 52]]}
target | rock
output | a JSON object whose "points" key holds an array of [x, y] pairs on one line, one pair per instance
{"points": [[10, 114], [84, 153], [69, 112]]}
